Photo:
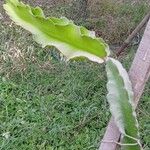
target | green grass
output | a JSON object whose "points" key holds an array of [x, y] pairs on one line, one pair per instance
{"points": [[64, 107], [48, 104]]}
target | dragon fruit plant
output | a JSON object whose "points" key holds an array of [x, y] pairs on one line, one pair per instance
{"points": [[77, 41]]}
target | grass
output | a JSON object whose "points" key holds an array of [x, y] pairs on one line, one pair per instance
{"points": [[53, 108], [48, 104]]}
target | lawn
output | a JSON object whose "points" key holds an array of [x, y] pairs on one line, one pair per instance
{"points": [[49, 104]]}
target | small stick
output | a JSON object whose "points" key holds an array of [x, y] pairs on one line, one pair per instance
{"points": [[132, 35], [121, 144]]}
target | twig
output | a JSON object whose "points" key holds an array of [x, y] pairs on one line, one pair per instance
{"points": [[132, 35], [82, 124], [121, 144]]}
